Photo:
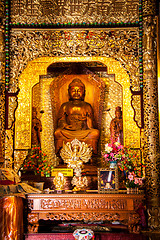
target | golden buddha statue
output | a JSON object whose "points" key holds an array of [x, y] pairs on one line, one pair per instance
{"points": [[75, 119]]}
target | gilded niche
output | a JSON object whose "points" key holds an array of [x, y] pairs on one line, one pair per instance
{"points": [[47, 86]]}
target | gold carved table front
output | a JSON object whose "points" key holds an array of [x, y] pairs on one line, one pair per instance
{"points": [[87, 207]]}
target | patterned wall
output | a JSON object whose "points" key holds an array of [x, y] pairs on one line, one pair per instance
{"points": [[78, 29]]}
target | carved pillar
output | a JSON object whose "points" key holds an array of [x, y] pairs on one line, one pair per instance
{"points": [[2, 95], [151, 125]]}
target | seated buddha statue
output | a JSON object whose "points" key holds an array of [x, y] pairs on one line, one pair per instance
{"points": [[75, 119]]}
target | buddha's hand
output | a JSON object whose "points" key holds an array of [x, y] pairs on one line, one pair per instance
{"points": [[70, 127]]}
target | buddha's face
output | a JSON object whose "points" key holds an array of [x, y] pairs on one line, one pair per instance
{"points": [[76, 93], [118, 114], [34, 114]]}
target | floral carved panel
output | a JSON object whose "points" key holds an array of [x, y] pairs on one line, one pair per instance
{"points": [[120, 44]]}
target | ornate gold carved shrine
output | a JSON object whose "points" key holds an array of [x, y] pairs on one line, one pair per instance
{"points": [[116, 35], [82, 45], [31, 76]]}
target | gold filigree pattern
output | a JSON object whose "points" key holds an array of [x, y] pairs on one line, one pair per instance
{"points": [[9, 147], [47, 137], [26, 45], [19, 157], [2, 9], [136, 102], [12, 105], [2, 91], [74, 11], [151, 124], [149, 7]]}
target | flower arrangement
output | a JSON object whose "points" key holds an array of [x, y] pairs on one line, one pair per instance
{"points": [[113, 152], [133, 181], [36, 161], [127, 162]]}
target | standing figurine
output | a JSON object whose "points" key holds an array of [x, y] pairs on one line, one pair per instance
{"points": [[116, 127], [36, 128]]}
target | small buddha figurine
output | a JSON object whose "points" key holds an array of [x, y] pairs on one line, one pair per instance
{"points": [[75, 119], [36, 128], [116, 127]]}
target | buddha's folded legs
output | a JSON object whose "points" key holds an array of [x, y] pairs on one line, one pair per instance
{"points": [[89, 136]]}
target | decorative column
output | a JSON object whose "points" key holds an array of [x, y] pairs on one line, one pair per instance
{"points": [[151, 124], [2, 87]]}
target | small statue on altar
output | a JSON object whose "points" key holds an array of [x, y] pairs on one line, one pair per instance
{"points": [[116, 127], [59, 181], [36, 128], [76, 153], [75, 119]]}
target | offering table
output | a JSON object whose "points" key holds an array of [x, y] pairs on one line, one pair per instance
{"points": [[84, 207]]}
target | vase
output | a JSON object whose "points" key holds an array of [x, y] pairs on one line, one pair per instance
{"points": [[132, 190], [113, 164]]}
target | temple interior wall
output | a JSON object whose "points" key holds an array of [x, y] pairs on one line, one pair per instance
{"points": [[38, 38]]}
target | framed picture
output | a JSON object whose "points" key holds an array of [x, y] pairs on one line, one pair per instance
{"points": [[107, 180]]}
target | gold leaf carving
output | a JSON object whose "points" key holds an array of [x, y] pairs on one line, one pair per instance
{"points": [[27, 45], [74, 11]]}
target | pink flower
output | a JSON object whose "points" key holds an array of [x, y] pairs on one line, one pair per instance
{"points": [[140, 181], [130, 176], [136, 181]]}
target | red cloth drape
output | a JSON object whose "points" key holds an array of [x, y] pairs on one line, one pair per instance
{"points": [[11, 218]]}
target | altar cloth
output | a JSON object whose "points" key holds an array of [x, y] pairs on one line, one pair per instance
{"points": [[98, 236]]}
